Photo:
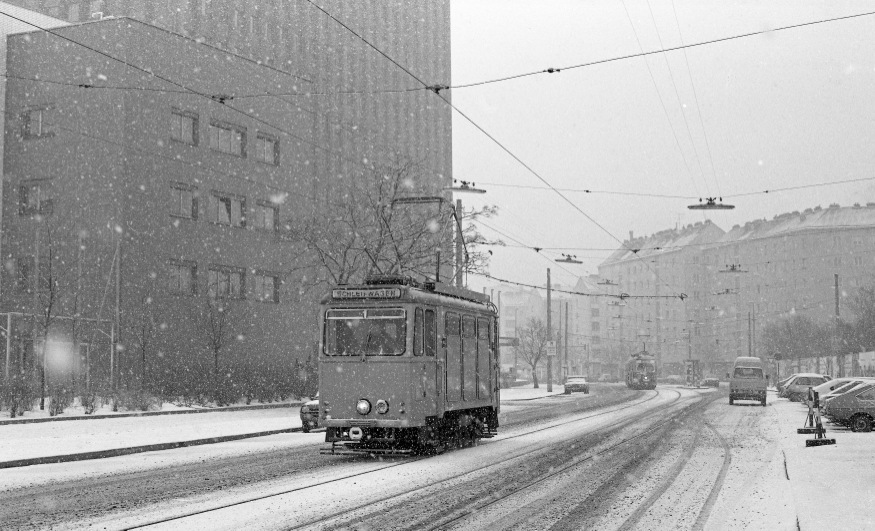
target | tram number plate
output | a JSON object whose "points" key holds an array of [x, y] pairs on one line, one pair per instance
{"points": [[369, 293]]}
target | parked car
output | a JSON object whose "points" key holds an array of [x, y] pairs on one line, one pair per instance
{"points": [[779, 385], [855, 409], [710, 382], [310, 415], [797, 388], [576, 384]]}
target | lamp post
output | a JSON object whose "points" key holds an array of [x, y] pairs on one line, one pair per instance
{"points": [[468, 188]]}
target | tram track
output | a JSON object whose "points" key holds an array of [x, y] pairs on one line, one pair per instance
{"points": [[405, 461], [472, 509]]}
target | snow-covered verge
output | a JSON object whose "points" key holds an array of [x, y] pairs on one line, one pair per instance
{"points": [[833, 486], [528, 392], [25, 441], [77, 411]]}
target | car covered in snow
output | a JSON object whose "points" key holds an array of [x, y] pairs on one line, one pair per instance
{"points": [[797, 388], [310, 415], [747, 381], [855, 409], [576, 384], [710, 382]]}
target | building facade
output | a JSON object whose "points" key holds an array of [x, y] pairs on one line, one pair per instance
{"points": [[739, 282], [144, 206]]}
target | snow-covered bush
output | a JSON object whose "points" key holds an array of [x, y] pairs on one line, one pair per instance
{"points": [[60, 397], [18, 393]]}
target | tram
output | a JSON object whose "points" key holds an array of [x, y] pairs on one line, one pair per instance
{"points": [[407, 367], [641, 371]]}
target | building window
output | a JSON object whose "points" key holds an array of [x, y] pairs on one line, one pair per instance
{"points": [[34, 123], [858, 260], [34, 198], [595, 326], [595, 340], [226, 209], [182, 277], [267, 149], [228, 138], [226, 282], [183, 201], [184, 127], [24, 276], [267, 287], [595, 312], [265, 216]]}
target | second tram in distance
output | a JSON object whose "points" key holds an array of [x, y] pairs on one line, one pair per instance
{"points": [[641, 371]]}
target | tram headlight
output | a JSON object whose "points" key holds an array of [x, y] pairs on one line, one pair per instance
{"points": [[382, 407], [363, 407]]}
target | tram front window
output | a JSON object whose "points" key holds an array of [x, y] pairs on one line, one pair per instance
{"points": [[372, 332]]}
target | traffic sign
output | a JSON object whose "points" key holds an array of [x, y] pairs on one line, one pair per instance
{"points": [[551, 348]]}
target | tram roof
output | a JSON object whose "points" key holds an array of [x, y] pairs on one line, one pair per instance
{"points": [[388, 291]]}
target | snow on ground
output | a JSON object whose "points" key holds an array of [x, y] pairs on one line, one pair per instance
{"points": [[528, 392], [106, 409], [833, 486], [23, 441]]}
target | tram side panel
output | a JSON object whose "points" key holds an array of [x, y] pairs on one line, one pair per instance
{"points": [[453, 351]]}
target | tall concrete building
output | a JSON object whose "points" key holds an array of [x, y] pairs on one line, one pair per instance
{"points": [[152, 172], [354, 89]]}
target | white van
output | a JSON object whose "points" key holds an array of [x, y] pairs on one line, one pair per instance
{"points": [[747, 381]]}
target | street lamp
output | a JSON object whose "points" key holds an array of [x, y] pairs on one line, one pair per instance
{"points": [[711, 204]]}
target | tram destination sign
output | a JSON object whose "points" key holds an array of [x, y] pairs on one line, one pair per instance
{"points": [[366, 293]]}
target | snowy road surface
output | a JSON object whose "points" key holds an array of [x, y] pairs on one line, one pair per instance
{"points": [[667, 459]]}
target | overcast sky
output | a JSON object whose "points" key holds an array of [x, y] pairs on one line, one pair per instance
{"points": [[787, 108]]}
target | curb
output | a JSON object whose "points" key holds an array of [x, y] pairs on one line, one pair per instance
{"points": [[116, 452], [147, 414]]}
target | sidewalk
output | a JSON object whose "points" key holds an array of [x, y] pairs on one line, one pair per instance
{"points": [[28, 443], [832, 486], [24, 444], [528, 392]]}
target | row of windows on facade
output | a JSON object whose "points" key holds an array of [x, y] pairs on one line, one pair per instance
{"points": [[224, 282], [223, 208], [225, 137], [34, 197]]}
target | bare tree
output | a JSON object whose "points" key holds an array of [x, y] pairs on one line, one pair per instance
{"points": [[362, 229], [533, 344]]}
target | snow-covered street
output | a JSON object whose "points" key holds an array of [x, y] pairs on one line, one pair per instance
{"points": [[615, 459]]}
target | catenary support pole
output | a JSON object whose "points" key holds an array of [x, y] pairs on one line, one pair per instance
{"points": [[549, 336], [565, 344]]}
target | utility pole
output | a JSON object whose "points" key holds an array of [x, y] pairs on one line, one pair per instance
{"points": [[118, 300], [36, 288], [459, 243], [749, 336], [516, 334], [835, 341], [565, 368], [549, 336]]}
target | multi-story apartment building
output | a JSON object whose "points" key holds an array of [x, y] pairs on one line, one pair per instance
{"points": [[737, 283], [656, 270], [139, 187]]}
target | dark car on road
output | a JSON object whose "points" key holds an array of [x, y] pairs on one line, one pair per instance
{"points": [[576, 384], [710, 382], [310, 415]]}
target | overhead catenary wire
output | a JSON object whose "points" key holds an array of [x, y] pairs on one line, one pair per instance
{"points": [[654, 52], [621, 296]]}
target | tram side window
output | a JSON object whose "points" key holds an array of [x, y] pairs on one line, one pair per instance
{"points": [[452, 325], [428, 329], [417, 332], [492, 337], [468, 328]]}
